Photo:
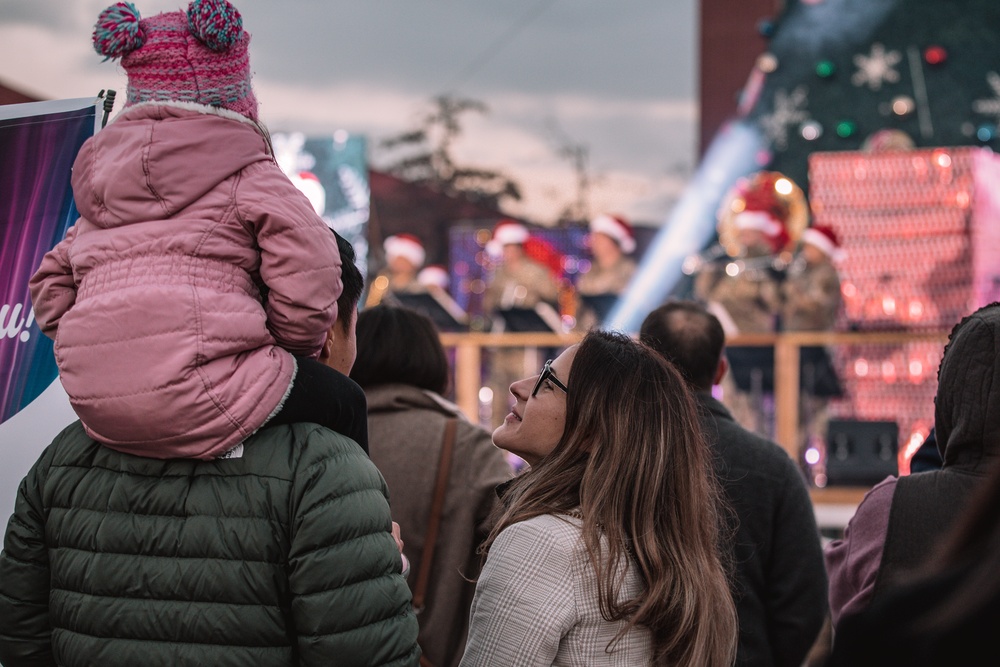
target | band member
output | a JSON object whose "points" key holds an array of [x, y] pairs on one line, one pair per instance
{"points": [[611, 241], [404, 255]]}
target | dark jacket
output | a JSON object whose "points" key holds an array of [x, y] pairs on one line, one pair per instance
{"points": [[967, 427], [279, 556], [780, 582]]}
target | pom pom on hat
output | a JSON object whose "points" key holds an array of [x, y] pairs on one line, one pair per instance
{"points": [[117, 31], [825, 239], [215, 22], [434, 276], [194, 57], [616, 228], [407, 246]]}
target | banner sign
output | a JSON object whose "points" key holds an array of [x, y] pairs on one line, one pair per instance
{"points": [[332, 171], [38, 143]]}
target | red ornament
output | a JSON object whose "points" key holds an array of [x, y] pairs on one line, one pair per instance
{"points": [[935, 55]]}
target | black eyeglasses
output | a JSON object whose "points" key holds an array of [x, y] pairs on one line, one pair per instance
{"points": [[547, 374]]}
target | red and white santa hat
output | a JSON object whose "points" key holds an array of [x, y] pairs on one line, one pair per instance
{"points": [[617, 228], [824, 238], [507, 232], [434, 275], [407, 246], [309, 185]]}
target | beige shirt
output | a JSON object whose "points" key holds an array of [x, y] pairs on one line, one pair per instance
{"points": [[536, 604]]}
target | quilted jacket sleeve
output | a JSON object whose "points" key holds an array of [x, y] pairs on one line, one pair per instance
{"points": [[53, 289], [343, 558], [25, 635], [300, 262]]}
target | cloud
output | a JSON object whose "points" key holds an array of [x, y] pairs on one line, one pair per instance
{"points": [[618, 80]]}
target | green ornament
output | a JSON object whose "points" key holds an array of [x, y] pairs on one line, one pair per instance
{"points": [[825, 69], [846, 128]]}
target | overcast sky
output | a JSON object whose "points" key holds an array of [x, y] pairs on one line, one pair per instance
{"points": [[617, 77]]}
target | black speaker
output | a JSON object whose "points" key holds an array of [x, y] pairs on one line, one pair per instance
{"points": [[861, 453]]}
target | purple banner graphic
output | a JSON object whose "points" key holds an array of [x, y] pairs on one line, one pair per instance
{"points": [[37, 150]]}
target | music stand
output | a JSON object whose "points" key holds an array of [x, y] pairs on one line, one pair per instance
{"points": [[599, 304], [541, 318], [446, 316]]}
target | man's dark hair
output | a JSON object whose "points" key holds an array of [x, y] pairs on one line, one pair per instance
{"points": [[354, 283], [688, 336], [401, 346]]}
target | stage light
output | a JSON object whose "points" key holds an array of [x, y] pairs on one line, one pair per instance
{"points": [[691, 224]]}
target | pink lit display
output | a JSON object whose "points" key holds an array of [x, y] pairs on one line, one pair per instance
{"points": [[921, 234]]}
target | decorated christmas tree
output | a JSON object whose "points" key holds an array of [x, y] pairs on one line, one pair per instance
{"points": [[845, 75]]}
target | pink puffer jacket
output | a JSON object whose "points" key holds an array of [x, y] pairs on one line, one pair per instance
{"points": [[154, 297]]}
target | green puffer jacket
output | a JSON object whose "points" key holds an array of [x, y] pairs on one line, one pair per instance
{"points": [[282, 556]]}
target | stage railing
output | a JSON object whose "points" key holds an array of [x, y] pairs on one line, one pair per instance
{"points": [[468, 378]]}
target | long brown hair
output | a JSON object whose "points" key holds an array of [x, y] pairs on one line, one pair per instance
{"points": [[634, 461]]}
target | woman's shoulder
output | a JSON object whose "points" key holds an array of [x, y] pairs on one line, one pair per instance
{"points": [[548, 530]]}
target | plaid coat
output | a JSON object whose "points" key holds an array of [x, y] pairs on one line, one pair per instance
{"points": [[536, 604]]}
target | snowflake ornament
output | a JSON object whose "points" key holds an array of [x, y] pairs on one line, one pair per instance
{"points": [[789, 109], [990, 107], [877, 68]]}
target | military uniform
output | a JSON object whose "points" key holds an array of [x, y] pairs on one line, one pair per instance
{"points": [[810, 302], [598, 281], [751, 299]]}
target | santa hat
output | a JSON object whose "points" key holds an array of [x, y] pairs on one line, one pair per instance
{"points": [[616, 228], [407, 246], [824, 238], [309, 185], [194, 57], [763, 211], [507, 232], [434, 275]]}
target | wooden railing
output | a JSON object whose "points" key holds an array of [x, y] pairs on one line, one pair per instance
{"points": [[468, 363]]}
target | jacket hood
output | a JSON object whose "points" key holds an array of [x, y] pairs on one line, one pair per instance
{"points": [[967, 405], [156, 159], [402, 397]]}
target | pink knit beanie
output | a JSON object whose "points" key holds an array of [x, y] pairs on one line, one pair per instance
{"points": [[199, 56]]}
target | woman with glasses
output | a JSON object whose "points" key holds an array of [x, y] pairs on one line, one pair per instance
{"points": [[606, 551]]}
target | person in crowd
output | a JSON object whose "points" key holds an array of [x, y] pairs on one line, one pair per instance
{"points": [[404, 255], [194, 258], [434, 277], [810, 301], [744, 294], [519, 282], [611, 241], [280, 553], [607, 549], [946, 612], [404, 371], [901, 519], [780, 585]]}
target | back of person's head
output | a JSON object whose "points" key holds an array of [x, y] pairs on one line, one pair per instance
{"points": [[633, 458], [354, 283], [399, 346], [195, 57], [967, 404], [689, 337]]}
